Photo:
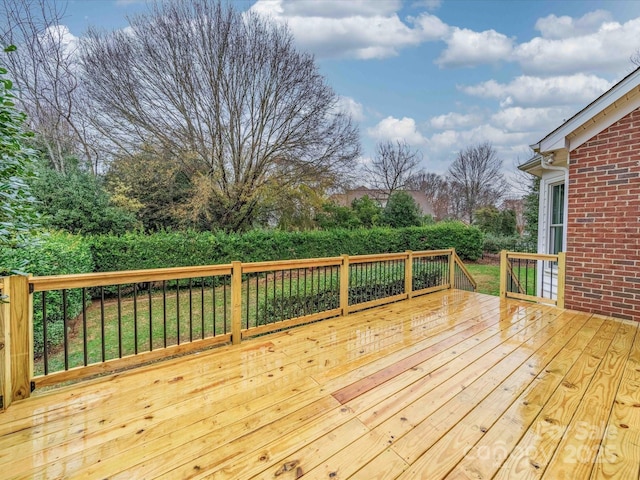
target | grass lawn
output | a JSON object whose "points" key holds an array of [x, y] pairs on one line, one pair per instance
{"points": [[486, 276]]}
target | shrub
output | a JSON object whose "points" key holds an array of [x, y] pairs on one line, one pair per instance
{"points": [[18, 216], [53, 254], [76, 201], [401, 211]]}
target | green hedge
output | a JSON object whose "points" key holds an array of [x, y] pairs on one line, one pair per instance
{"points": [[52, 254], [138, 251]]}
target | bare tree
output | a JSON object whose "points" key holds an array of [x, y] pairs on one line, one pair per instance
{"points": [[393, 165], [476, 177], [228, 94], [437, 190], [45, 67]]}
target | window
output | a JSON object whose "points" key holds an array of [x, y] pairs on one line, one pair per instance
{"points": [[556, 223]]}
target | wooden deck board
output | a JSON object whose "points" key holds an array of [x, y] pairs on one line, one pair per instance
{"points": [[448, 385]]}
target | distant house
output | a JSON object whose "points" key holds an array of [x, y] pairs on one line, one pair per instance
{"points": [[381, 197], [590, 201]]}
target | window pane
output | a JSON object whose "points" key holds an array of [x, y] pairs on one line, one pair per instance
{"points": [[557, 207], [556, 240]]}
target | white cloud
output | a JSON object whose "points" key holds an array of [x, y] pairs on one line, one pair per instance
{"points": [[455, 120], [454, 140], [61, 34], [565, 27], [606, 49], [391, 128], [349, 106], [428, 4], [518, 119], [529, 90], [468, 48], [336, 8], [355, 29]]}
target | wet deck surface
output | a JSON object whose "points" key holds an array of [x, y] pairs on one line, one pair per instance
{"points": [[449, 385]]}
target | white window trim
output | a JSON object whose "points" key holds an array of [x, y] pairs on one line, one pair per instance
{"points": [[544, 213], [548, 180]]}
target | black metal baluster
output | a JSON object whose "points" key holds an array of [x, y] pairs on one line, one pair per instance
{"points": [[45, 345], [213, 292], [135, 317], [102, 326], [150, 317], [191, 310], [202, 308], [304, 303], [178, 311], [224, 301], [246, 321], [282, 309], [266, 296], [85, 350], [164, 312], [274, 295], [119, 321], [66, 329], [310, 302]]}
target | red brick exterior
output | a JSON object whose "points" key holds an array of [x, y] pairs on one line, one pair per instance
{"points": [[603, 225]]}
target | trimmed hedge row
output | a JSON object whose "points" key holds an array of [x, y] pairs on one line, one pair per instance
{"points": [[52, 254], [138, 251]]}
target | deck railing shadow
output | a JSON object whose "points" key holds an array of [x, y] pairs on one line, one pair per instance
{"points": [[68, 327]]}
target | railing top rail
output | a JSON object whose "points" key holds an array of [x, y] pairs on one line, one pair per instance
{"points": [[533, 256], [80, 280], [290, 264], [433, 253], [378, 257]]}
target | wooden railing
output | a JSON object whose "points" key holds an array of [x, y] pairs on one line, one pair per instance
{"points": [[535, 277], [67, 327]]}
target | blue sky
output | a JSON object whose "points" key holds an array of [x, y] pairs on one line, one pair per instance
{"points": [[447, 74]]}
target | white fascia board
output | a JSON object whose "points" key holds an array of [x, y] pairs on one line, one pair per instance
{"points": [[618, 110]]}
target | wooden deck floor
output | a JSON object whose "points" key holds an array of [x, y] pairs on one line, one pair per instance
{"points": [[450, 385]]}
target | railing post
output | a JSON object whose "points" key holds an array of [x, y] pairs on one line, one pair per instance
{"points": [[20, 336], [452, 269], [236, 302], [562, 263], [408, 274], [344, 285], [503, 274]]}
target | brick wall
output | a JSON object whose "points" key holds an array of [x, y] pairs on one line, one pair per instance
{"points": [[603, 228]]}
